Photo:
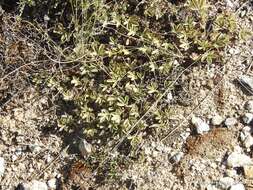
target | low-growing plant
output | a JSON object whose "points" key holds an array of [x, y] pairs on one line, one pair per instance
{"points": [[126, 54]]}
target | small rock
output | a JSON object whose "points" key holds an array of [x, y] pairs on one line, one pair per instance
{"points": [[201, 126], [85, 148], [169, 97], [52, 183], [226, 182], [247, 118], [230, 122], [231, 173], [177, 157], [2, 166], [238, 186], [248, 142], [248, 172], [34, 148], [249, 106], [217, 120], [245, 132], [247, 83], [238, 160], [34, 185]]}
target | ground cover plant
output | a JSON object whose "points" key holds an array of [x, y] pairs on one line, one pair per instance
{"points": [[116, 63]]}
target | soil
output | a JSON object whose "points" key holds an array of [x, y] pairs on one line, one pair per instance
{"points": [[34, 151]]}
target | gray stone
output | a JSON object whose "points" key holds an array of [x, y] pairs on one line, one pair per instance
{"points": [[247, 118], [247, 83], [249, 106], [230, 122], [238, 160], [238, 186], [2, 166], [200, 125], [85, 148]]}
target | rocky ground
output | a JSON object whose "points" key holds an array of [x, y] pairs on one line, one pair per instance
{"points": [[209, 147]]}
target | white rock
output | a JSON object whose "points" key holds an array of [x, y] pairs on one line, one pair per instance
{"points": [[34, 185], [52, 183], [217, 120], [249, 106], [2, 166], [85, 148], [247, 118], [245, 132], [238, 160], [169, 97], [226, 182], [248, 142], [238, 186], [201, 126], [230, 122], [211, 187], [177, 157]]}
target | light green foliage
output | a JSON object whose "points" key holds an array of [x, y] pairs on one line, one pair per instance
{"points": [[126, 53]]}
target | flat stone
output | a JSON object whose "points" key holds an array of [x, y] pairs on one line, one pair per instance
{"points": [[200, 125], [248, 172], [238, 160], [177, 157]]}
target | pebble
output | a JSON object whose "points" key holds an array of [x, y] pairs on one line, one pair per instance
{"points": [[217, 120], [238, 160], [247, 83], [230, 122], [248, 172], [177, 157], [34, 185], [85, 148], [245, 132], [2, 166], [249, 106], [238, 186], [247, 118], [52, 183], [201, 126], [248, 142], [226, 182]]}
